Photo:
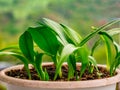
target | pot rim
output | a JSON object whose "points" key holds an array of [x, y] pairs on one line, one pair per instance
{"points": [[57, 84]]}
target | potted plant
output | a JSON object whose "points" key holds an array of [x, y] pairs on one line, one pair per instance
{"points": [[73, 64]]}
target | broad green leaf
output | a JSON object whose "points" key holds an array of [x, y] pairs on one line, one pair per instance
{"points": [[74, 36], [66, 52], [45, 39], [92, 34], [57, 28], [26, 46]]}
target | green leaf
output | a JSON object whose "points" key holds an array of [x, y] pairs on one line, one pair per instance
{"points": [[38, 65], [113, 31], [26, 46], [95, 46], [9, 48], [16, 55], [25, 62], [72, 60], [116, 62], [87, 38], [57, 28], [117, 47], [45, 39], [46, 75], [66, 52], [71, 67], [83, 57], [93, 61], [74, 36], [21, 58], [108, 40]]}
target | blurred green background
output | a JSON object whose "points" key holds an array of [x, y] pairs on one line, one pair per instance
{"points": [[17, 15]]}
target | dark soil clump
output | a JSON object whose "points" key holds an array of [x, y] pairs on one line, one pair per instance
{"points": [[22, 74]]}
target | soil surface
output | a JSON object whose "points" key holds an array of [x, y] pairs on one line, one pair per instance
{"points": [[22, 74]]}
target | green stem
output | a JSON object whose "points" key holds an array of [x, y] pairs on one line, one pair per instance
{"points": [[28, 71], [39, 71]]}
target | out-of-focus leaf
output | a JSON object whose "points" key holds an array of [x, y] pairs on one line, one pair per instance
{"points": [[9, 48]]}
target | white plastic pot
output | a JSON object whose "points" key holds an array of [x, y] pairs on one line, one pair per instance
{"points": [[21, 84]]}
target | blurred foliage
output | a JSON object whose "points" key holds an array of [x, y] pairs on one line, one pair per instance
{"points": [[2, 87], [17, 15]]}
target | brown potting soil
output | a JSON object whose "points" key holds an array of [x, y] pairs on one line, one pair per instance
{"points": [[22, 74]]}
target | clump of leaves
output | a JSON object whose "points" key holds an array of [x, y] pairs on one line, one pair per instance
{"points": [[63, 44]]}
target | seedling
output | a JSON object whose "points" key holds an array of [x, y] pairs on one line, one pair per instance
{"points": [[63, 44]]}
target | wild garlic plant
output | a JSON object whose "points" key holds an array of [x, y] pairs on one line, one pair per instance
{"points": [[63, 44]]}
